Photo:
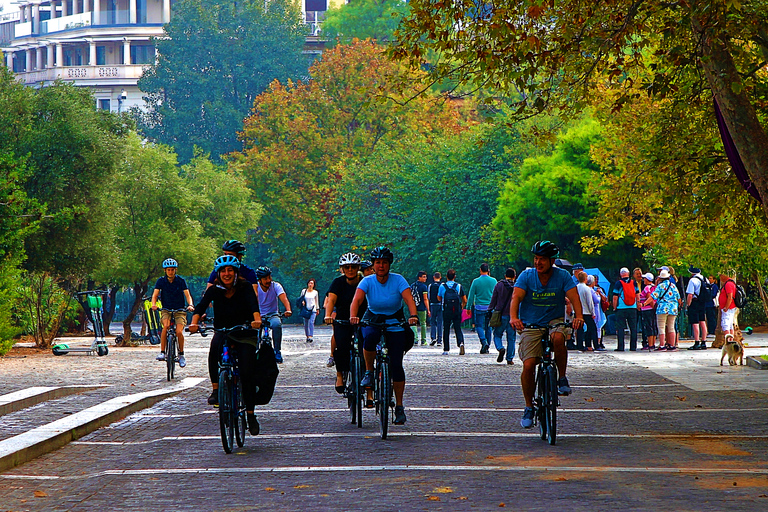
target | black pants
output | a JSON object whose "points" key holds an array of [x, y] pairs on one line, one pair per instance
{"points": [[246, 362], [454, 319], [626, 317], [343, 335], [587, 339], [711, 314]]}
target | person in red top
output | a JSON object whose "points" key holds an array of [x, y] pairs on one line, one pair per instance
{"points": [[726, 302]]}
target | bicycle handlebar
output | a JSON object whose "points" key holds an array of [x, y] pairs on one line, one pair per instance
{"points": [[548, 326], [93, 292]]}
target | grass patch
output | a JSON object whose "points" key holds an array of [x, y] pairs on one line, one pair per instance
{"points": [[764, 357]]}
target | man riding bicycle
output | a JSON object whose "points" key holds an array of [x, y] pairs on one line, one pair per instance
{"points": [[539, 299], [385, 293], [175, 291], [234, 303], [270, 292], [235, 248]]}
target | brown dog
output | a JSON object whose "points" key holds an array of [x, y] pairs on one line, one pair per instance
{"points": [[734, 350]]}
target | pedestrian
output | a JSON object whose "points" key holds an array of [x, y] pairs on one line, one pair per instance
{"points": [[712, 307], [577, 269], [637, 277], [667, 299], [436, 319], [597, 298], [726, 301], [625, 304], [452, 297], [697, 295], [419, 291], [648, 312], [480, 293], [500, 300], [312, 303], [586, 340]]}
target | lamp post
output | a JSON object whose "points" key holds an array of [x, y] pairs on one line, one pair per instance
{"points": [[120, 99]]}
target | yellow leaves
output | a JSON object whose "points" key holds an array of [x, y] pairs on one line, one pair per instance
{"points": [[442, 490], [535, 11], [41, 494]]}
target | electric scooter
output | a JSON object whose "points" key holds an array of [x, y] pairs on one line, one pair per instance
{"points": [[95, 302]]}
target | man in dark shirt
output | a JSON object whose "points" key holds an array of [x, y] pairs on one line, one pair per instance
{"points": [[436, 311], [236, 248], [422, 307], [174, 292]]}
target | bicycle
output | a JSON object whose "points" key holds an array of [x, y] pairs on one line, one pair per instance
{"points": [[353, 392], [382, 390], [172, 344], [95, 302], [546, 401]]}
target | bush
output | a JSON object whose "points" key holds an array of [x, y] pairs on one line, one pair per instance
{"points": [[45, 307], [8, 301], [753, 313]]}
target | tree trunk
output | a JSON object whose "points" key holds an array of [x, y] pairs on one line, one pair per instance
{"points": [[109, 313], [139, 289], [739, 114]]}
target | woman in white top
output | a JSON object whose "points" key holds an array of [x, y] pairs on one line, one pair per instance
{"points": [[311, 302]]}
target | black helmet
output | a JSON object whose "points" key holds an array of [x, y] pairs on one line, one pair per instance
{"points": [[235, 246], [382, 253], [365, 264], [546, 249], [263, 272]]}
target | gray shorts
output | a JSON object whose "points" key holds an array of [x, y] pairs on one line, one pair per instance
{"points": [[529, 341]]}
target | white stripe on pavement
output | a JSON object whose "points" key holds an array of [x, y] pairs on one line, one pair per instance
{"points": [[517, 385]]}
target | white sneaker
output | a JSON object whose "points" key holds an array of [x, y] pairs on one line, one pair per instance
{"points": [[182, 361], [160, 356]]}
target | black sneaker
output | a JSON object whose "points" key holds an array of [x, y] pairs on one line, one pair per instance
{"points": [[253, 424], [399, 415], [214, 398], [563, 389], [367, 381], [432, 343], [501, 355], [694, 347]]}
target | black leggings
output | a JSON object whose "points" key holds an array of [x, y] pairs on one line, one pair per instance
{"points": [[343, 335], [246, 362], [396, 345]]}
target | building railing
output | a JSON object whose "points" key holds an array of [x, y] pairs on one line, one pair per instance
{"points": [[116, 71], [66, 23], [22, 29]]}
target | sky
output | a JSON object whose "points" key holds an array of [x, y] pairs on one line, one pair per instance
{"points": [[7, 7]]}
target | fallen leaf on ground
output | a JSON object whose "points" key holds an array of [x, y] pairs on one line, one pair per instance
{"points": [[590, 399], [502, 505], [301, 486], [442, 490], [41, 494], [433, 498], [490, 457], [269, 489], [681, 398]]}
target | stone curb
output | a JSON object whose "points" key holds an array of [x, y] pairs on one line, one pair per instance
{"points": [[757, 362], [29, 445], [24, 398]]}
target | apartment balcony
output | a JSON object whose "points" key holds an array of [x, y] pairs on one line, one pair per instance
{"points": [[85, 75]]}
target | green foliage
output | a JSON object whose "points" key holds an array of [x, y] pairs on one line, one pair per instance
{"points": [[363, 19], [9, 272], [44, 307], [214, 59]]}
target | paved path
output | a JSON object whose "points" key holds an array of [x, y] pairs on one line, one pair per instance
{"points": [[641, 432]]}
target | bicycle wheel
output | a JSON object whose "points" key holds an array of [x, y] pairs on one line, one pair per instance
{"points": [[170, 355], [357, 369], [550, 404], [385, 398], [225, 410], [540, 401], [349, 392], [239, 414]]}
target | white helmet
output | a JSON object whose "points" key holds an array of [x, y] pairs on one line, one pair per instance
{"points": [[349, 258]]}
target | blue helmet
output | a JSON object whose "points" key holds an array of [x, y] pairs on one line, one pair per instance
{"points": [[226, 261], [545, 249], [382, 253], [263, 272], [170, 263], [365, 264]]}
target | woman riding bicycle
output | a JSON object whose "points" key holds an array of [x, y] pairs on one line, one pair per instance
{"points": [[234, 303], [385, 292]]}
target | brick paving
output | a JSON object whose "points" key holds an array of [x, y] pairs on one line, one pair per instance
{"points": [[631, 438]]}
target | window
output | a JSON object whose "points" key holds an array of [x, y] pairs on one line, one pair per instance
{"points": [[316, 5], [104, 104], [142, 54], [101, 55]]}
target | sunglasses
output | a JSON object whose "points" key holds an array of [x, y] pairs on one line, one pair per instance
{"points": [[350, 267]]}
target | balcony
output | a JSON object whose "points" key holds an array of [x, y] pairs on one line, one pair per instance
{"points": [[22, 29], [86, 75], [66, 23]]}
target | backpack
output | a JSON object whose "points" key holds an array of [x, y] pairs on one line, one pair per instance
{"points": [[705, 292], [452, 299], [740, 297], [417, 296], [434, 288], [629, 293]]}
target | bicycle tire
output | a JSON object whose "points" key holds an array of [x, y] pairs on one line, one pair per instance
{"points": [[239, 410], [349, 392], [385, 398], [170, 355], [550, 410], [359, 391], [539, 402], [226, 424]]}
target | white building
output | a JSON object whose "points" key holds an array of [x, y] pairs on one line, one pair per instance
{"points": [[101, 44]]}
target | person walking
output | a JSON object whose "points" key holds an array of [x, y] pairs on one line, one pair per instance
{"points": [[648, 312], [597, 298], [712, 307], [480, 292], [436, 310], [420, 297], [312, 303], [585, 341], [625, 304], [667, 299], [452, 297], [500, 300], [697, 295]]}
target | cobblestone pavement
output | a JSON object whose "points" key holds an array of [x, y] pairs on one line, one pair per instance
{"points": [[640, 432]]}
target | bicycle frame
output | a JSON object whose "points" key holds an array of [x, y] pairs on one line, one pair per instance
{"points": [[171, 343], [353, 392]]}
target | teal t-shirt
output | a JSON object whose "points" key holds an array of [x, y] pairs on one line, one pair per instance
{"points": [[542, 304], [480, 292]]}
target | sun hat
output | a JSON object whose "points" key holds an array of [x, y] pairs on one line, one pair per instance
{"points": [[664, 274], [648, 276]]}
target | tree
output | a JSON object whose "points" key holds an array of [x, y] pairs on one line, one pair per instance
{"points": [[300, 136], [555, 56], [159, 213], [364, 19], [214, 59]]}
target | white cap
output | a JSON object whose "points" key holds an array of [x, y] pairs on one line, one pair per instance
{"points": [[624, 270], [648, 276]]}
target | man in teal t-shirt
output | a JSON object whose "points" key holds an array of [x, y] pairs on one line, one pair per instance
{"points": [[480, 293]]}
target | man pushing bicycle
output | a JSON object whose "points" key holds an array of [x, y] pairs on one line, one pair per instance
{"points": [[539, 299]]}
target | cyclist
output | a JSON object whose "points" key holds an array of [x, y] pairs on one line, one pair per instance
{"points": [[366, 267], [269, 293], [175, 292], [340, 295], [235, 248], [234, 303], [539, 299], [385, 293]]}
